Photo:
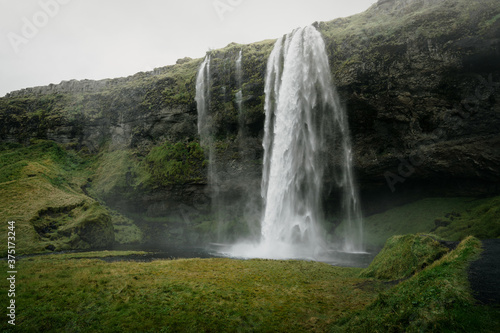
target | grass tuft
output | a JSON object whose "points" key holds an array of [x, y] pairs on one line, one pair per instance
{"points": [[403, 256]]}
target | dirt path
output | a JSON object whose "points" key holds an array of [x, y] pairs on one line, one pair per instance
{"points": [[484, 273]]}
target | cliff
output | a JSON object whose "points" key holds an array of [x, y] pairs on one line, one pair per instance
{"points": [[420, 80]]}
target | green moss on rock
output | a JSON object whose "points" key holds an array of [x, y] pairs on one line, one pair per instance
{"points": [[41, 190], [126, 231], [116, 173], [176, 163], [93, 226], [403, 256]]}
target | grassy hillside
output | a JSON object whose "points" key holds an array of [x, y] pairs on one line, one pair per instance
{"points": [[381, 33], [481, 220], [40, 189], [437, 299], [447, 218]]}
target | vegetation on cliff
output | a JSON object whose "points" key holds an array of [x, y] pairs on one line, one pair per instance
{"points": [[40, 187], [481, 221], [178, 163]]}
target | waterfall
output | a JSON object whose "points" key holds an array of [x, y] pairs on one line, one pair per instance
{"points": [[296, 101], [248, 189], [205, 130], [306, 130], [303, 116], [203, 101], [239, 96]]}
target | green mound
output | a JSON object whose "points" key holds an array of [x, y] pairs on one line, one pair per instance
{"points": [[40, 187], [437, 299], [403, 256]]}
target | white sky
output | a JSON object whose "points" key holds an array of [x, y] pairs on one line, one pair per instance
{"points": [[47, 41]]}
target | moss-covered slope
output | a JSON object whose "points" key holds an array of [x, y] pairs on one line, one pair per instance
{"points": [[437, 299], [40, 189], [403, 256]]}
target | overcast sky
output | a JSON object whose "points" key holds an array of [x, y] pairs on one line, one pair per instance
{"points": [[47, 41]]}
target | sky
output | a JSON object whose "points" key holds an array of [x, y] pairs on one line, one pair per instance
{"points": [[48, 41]]}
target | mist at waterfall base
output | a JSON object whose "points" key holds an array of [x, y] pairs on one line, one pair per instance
{"points": [[305, 136]]}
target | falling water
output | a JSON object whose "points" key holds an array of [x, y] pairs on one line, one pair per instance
{"points": [[249, 202], [304, 120], [239, 95], [203, 100], [292, 180], [205, 130]]}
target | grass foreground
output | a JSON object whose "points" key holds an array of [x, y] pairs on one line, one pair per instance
{"points": [[81, 293]]}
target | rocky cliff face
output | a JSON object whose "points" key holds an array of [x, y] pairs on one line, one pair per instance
{"points": [[420, 80]]}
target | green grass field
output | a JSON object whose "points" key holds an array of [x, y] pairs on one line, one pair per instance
{"points": [[81, 293]]}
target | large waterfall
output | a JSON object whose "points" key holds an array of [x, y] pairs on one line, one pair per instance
{"points": [[297, 96], [306, 140], [305, 131]]}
